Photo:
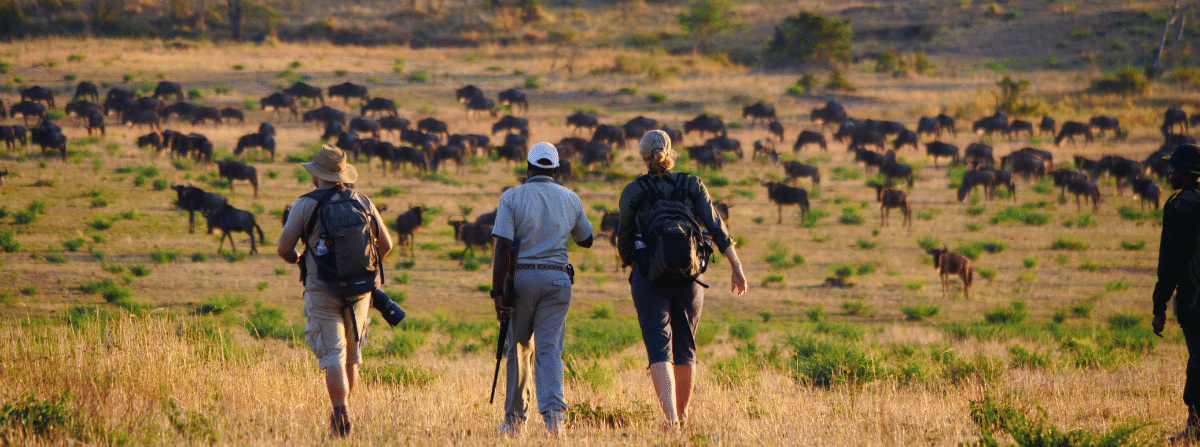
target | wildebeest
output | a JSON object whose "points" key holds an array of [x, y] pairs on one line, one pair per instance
{"points": [[433, 126], [324, 115], [511, 124], [480, 104], [95, 120], [705, 156], [235, 170], [1018, 126], [867, 157], [49, 135], [795, 170], [347, 90], [194, 199], [279, 101], [905, 138], [152, 139], [1086, 189], [831, 115], [609, 222], [407, 223], [38, 93], [202, 114], [180, 109], [891, 169], [725, 144], [168, 88], [3, 174], [11, 135], [472, 235], [229, 220], [513, 98], [1120, 168], [230, 113], [302, 90], [759, 112], [609, 134], [808, 137], [974, 178], [861, 136], [201, 148], [1105, 123], [82, 109], [997, 123], [937, 149], [892, 198], [382, 106], [393, 124], [645, 123], [928, 126], [569, 147], [1146, 190], [579, 120], [466, 93], [786, 195], [332, 129], [446, 153], [1003, 178], [978, 154], [595, 152], [766, 148], [363, 125], [775, 128], [704, 123], [27, 109], [1172, 118], [1047, 126], [262, 141], [948, 264], [946, 122], [87, 89], [1072, 129]]}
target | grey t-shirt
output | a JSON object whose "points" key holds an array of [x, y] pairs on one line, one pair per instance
{"points": [[541, 215]]}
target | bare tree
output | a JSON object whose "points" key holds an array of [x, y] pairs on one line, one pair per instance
{"points": [[1176, 16], [235, 19]]}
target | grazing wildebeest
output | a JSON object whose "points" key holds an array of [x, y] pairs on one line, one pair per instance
{"points": [[705, 156], [861, 136], [1172, 118], [1072, 129], [997, 123], [1047, 126], [511, 124], [235, 170], [1086, 189], [633, 132], [579, 120], [230, 113], [831, 115], [433, 126], [795, 170], [49, 135], [1083, 164], [974, 178], [350, 143], [3, 110], [279, 101], [81, 109], [332, 129], [725, 144], [1003, 178], [201, 148], [394, 124], [466, 93], [447, 153], [407, 223], [948, 264], [180, 109], [609, 134], [38, 93], [168, 88], [946, 122], [408, 155], [1157, 165], [783, 194], [194, 199], [892, 198], [937, 149], [765, 148], [595, 152], [645, 123], [703, 123], [905, 138], [472, 235], [978, 154], [363, 125], [480, 104], [569, 147], [867, 157], [95, 120], [1105, 123], [324, 115], [87, 89], [514, 98], [302, 90], [381, 106], [928, 126], [202, 114], [27, 109], [609, 222], [775, 128], [1120, 168], [230, 220], [10, 136], [347, 90], [808, 137], [262, 141], [758, 111], [152, 139], [891, 169], [1018, 126], [1146, 190]]}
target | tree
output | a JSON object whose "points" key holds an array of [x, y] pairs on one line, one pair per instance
{"points": [[1177, 15], [809, 37], [706, 18], [235, 19]]}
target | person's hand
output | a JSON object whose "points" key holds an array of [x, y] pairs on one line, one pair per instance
{"points": [[503, 312], [738, 281], [1158, 323]]}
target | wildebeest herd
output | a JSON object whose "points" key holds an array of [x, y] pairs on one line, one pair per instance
{"points": [[378, 135]]}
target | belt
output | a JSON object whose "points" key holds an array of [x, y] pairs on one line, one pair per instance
{"points": [[561, 268]]}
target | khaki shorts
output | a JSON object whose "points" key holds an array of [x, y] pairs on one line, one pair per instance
{"points": [[328, 331]]}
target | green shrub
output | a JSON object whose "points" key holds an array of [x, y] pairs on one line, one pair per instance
{"points": [[850, 216], [1024, 358], [771, 279], [1126, 81], [848, 331], [403, 343], [1133, 245], [1089, 265], [24, 217], [1015, 313], [595, 338], [1021, 214], [987, 273], [1066, 242], [267, 321], [656, 97], [920, 311], [407, 376], [1125, 321], [915, 284], [1002, 419], [56, 258], [218, 304], [858, 307], [1116, 285], [139, 270], [743, 329], [816, 314], [1029, 262], [594, 374], [837, 81], [823, 363], [420, 76], [779, 256], [603, 311], [73, 244], [928, 242], [49, 419], [1083, 308]]}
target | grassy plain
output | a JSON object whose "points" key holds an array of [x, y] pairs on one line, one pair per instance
{"points": [[172, 359]]}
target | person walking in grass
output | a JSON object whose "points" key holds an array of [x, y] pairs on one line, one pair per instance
{"points": [[536, 218], [1176, 252], [668, 306], [336, 325]]}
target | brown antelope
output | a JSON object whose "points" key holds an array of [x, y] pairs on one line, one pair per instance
{"points": [[948, 264], [891, 198]]}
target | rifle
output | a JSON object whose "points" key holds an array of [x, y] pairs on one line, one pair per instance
{"points": [[509, 300]]}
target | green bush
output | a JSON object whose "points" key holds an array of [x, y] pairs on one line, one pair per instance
{"points": [[996, 418], [823, 363], [1023, 214], [838, 82], [47, 419], [1133, 245], [1015, 313], [407, 376], [928, 242], [267, 321], [779, 256], [420, 76], [920, 311], [1068, 243], [403, 343], [1029, 262], [808, 37], [743, 329], [656, 97], [596, 338], [218, 304], [163, 256], [1126, 81], [1022, 357]]}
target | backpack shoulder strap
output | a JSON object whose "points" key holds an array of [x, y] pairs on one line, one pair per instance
{"points": [[322, 196], [680, 193]]}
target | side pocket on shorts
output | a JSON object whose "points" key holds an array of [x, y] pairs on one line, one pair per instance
{"points": [[562, 283], [312, 336]]}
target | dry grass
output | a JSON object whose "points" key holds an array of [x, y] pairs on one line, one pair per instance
{"points": [[113, 381]]}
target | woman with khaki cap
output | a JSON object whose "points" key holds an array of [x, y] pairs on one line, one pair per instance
{"points": [[669, 311]]}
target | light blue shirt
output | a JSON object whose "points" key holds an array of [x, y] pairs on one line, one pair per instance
{"points": [[540, 215]]}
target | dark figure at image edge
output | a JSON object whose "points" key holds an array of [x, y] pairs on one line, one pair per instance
{"points": [[1176, 266]]}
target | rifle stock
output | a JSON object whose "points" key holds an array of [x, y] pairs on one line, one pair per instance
{"points": [[509, 300]]}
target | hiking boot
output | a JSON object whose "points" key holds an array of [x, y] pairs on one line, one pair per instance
{"points": [[509, 428], [339, 422]]}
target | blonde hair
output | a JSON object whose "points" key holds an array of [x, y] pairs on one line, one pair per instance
{"points": [[663, 159]]}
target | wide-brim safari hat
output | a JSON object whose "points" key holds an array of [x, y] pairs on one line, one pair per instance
{"points": [[1185, 158], [330, 165]]}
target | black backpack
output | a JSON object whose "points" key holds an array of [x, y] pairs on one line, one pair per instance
{"points": [[346, 258], [675, 251]]}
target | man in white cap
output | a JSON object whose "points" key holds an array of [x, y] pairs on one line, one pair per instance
{"points": [[536, 218], [335, 326]]}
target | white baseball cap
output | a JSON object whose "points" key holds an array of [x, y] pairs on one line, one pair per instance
{"points": [[543, 151]]}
